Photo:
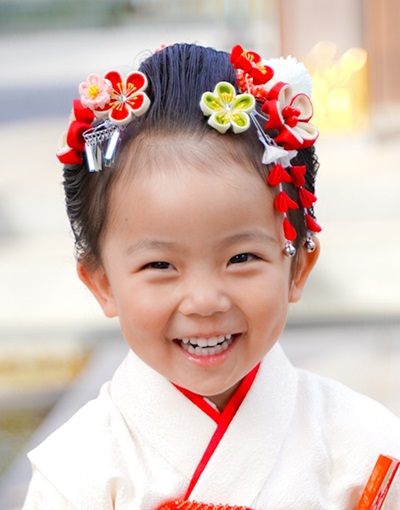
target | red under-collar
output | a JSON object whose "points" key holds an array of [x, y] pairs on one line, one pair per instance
{"points": [[222, 419]]}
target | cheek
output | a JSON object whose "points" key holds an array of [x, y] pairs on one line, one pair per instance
{"points": [[142, 309], [269, 298]]}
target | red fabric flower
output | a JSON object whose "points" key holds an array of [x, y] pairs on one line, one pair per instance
{"points": [[127, 97], [290, 116], [72, 143], [250, 63]]}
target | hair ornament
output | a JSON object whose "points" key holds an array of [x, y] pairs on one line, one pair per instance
{"points": [[282, 88], [227, 109], [95, 92], [112, 100], [290, 115], [126, 98], [251, 64], [289, 70], [72, 143]]}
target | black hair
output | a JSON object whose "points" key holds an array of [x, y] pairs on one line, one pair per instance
{"points": [[177, 77]]}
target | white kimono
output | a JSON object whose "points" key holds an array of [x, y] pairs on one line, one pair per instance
{"points": [[297, 442]]}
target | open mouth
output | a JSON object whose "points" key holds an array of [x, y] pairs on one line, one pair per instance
{"points": [[206, 346]]}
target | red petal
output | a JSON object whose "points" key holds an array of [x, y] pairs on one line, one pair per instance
{"points": [[135, 81], [283, 203], [136, 101], [71, 157], [275, 119], [289, 230], [120, 113], [298, 173], [82, 113], [116, 80], [312, 225], [288, 139], [308, 143], [276, 90], [75, 138], [261, 74], [306, 198], [253, 57], [239, 60], [277, 175], [236, 52]]}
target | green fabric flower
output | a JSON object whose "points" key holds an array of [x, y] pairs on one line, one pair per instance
{"points": [[226, 109]]}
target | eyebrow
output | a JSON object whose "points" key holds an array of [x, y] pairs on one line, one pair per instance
{"points": [[150, 244], [251, 235], [157, 244]]}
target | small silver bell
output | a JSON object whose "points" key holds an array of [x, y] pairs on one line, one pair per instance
{"points": [[289, 250], [310, 245]]}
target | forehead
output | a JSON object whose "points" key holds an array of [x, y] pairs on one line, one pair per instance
{"points": [[175, 198], [206, 151]]}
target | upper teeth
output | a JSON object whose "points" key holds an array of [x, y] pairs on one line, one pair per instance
{"points": [[206, 342]]}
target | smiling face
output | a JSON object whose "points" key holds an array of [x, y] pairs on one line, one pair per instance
{"points": [[193, 266]]}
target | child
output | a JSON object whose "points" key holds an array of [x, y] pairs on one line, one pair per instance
{"points": [[190, 191]]}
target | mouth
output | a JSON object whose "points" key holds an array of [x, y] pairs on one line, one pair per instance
{"points": [[206, 346]]}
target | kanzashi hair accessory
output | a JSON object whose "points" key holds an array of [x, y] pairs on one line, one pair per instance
{"points": [[227, 109], [106, 106], [290, 115], [72, 143], [116, 98], [282, 126], [250, 63]]}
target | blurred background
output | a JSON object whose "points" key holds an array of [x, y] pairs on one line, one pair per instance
{"points": [[56, 348]]}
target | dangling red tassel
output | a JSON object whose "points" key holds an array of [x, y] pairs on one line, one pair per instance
{"points": [[277, 175], [312, 225], [283, 203], [306, 198], [289, 230], [298, 173]]}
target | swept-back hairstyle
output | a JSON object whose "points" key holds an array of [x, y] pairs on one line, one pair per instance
{"points": [[177, 77]]}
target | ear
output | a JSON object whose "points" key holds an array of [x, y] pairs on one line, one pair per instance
{"points": [[302, 269], [97, 282]]}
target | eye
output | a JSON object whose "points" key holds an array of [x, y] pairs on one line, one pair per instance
{"points": [[241, 257], [158, 265]]}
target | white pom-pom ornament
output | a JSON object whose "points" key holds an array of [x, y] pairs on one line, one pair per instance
{"points": [[289, 70]]}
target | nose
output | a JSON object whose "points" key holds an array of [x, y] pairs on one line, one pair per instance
{"points": [[204, 296]]}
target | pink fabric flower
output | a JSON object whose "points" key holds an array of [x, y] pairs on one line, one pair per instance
{"points": [[95, 92]]}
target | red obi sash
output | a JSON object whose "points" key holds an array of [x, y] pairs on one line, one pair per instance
{"points": [[193, 505]]}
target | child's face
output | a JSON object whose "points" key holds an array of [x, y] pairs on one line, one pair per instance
{"points": [[193, 259]]}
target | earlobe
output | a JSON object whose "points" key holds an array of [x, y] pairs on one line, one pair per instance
{"points": [[97, 282], [303, 268]]}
